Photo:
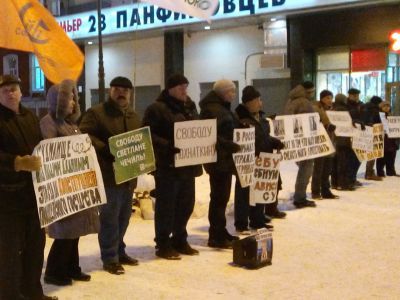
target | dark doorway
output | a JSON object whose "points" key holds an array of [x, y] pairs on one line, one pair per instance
{"points": [[274, 94]]}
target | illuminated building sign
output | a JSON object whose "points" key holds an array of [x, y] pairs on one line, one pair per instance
{"points": [[142, 16], [395, 41]]}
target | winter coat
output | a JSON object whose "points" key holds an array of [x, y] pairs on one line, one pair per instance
{"points": [[298, 102], [212, 106], [356, 110], [390, 144], [321, 109], [102, 122], [341, 141], [56, 124], [161, 117], [19, 134], [370, 114]]}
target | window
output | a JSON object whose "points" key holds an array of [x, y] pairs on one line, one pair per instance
{"points": [[37, 76]]}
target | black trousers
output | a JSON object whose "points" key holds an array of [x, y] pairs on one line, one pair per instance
{"points": [[342, 174], [63, 259], [175, 197], [22, 244], [320, 178], [388, 161], [220, 186]]}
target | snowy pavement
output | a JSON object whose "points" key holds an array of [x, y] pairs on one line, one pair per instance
{"points": [[343, 249]]}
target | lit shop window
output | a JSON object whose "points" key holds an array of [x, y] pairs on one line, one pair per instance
{"points": [[37, 76]]}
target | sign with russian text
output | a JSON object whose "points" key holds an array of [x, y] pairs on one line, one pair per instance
{"points": [[133, 152], [265, 181], [196, 141], [393, 127], [363, 139], [244, 159], [69, 180], [304, 136], [384, 122], [342, 121], [378, 144]]}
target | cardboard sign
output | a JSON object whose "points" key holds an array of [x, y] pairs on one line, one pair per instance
{"points": [[363, 139], [69, 180], [377, 144], [133, 152], [342, 121], [393, 127], [244, 159]]}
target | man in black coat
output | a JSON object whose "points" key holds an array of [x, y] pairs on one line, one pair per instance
{"points": [[217, 105], [22, 240], [175, 187]]}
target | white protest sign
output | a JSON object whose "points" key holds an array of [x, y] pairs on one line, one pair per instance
{"points": [[69, 180], [342, 121], [384, 121], [363, 139], [378, 144], [304, 136], [393, 127], [196, 141], [244, 159], [265, 181]]}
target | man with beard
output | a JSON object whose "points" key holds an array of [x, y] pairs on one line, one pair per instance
{"points": [[115, 116]]}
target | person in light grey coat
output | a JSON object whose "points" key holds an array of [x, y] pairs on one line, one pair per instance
{"points": [[63, 260]]}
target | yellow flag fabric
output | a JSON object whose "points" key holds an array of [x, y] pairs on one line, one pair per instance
{"points": [[27, 26]]}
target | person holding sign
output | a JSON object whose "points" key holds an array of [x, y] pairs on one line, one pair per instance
{"points": [[22, 240], [175, 187], [217, 105], [102, 121], [250, 115], [63, 260]]}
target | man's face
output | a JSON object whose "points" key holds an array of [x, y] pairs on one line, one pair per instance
{"points": [[120, 95], [254, 106], [354, 97], [327, 100], [10, 95], [229, 95], [179, 92]]}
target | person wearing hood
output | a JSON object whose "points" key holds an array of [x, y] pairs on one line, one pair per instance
{"points": [[175, 187], [300, 103], [113, 117], [250, 115], [63, 260], [217, 105]]}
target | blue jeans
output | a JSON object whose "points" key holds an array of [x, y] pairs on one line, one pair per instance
{"points": [[114, 221], [303, 177]]}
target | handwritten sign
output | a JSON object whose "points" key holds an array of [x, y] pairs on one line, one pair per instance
{"points": [[244, 159]]}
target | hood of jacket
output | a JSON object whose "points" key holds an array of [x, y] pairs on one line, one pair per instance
{"points": [[243, 113], [58, 100], [213, 98], [298, 92]]}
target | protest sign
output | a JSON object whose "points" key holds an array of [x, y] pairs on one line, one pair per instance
{"points": [[265, 180], [69, 180], [304, 136], [393, 127], [133, 152], [384, 121], [244, 159], [342, 121], [377, 150], [363, 139], [196, 141]]}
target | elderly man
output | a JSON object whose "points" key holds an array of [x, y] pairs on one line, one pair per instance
{"points": [[102, 121], [217, 105], [21, 238]]}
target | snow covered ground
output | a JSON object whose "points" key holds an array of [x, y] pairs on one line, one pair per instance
{"points": [[342, 249]]}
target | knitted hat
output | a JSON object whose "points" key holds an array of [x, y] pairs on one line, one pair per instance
{"points": [[58, 99], [175, 80], [9, 79], [324, 94], [121, 82], [249, 93], [376, 100], [353, 91]]}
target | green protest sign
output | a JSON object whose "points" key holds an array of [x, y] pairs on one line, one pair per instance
{"points": [[133, 152]]}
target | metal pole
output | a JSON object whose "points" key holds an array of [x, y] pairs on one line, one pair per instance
{"points": [[101, 65]]}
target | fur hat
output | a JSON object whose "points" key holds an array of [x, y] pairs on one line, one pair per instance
{"points": [[58, 100], [249, 93], [121, 82], [9, 79], [175, 80]]}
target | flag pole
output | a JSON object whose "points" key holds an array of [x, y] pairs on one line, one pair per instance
{"points": [[101, 64]]}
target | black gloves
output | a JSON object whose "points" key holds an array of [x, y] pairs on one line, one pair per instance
{"points": [[272, 117], [280, 145], [362, 126], [175, 150], [331, 128], [234, 148]]}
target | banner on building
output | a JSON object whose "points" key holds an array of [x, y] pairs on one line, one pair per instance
{"points": [[133, 152], [27, 26], [196, 141], [69, 180], [265, 181], [393, 127], [377, 144], [342, 121], [244, 159], [304, 136]]}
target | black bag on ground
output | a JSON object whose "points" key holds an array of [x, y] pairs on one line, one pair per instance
{"points": [[254, 251]]}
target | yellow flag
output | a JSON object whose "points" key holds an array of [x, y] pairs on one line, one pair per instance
{"points": [[27, 26]]}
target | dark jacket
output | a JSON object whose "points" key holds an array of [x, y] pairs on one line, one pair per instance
{"points": [[214, 107], [102, 122], [390, 144], [370, 113], [356, 111], [160, 117], [298, 102], [19, 134], [341, 141]]}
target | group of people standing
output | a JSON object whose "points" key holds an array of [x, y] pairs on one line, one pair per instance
{"points": [[21, 238]]}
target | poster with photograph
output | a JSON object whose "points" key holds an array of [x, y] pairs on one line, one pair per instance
{"points": [[69, 180], [378, 144], [244, 159], [393, 127], [304, 136], [133, 154], [342, 121], [196, 140]]}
